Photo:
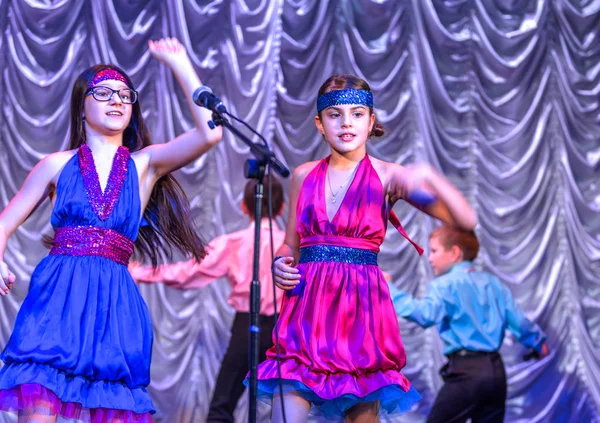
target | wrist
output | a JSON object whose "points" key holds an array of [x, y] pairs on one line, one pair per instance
{"points": [[183, 69], [274, 260], [181, 60]]}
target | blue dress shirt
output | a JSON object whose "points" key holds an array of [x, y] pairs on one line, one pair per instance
{"points": [[471, 311]]}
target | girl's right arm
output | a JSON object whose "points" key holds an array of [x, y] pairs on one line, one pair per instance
{"points": [[287, 276], [33, 192]]}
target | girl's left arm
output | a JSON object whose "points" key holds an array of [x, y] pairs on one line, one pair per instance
{"points": [[187, 147], [451, 206]]}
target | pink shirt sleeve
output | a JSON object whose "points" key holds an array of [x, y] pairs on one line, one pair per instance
{"points": [[190, 274]]}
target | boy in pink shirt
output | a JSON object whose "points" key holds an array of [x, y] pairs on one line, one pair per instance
{"points": [[230, 256]]}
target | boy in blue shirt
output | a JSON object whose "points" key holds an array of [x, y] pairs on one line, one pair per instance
{"points": [[471, 311]]}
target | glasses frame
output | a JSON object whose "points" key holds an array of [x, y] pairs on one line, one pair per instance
{"points": [[92, 92]]}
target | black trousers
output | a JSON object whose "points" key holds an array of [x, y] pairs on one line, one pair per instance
{"points": [[474, 387], [235, 366]]}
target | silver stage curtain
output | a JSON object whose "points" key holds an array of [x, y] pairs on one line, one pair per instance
{"points": [[500, 95]]}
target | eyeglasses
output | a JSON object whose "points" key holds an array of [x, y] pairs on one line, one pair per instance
{"points": [[101, 93]]}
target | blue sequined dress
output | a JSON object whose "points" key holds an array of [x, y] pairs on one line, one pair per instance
{"points": [[81, 344]]}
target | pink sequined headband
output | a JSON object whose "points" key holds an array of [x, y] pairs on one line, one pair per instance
{"points": [[106, 74]]}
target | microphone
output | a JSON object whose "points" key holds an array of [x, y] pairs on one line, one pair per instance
{"points": [[204, 97]]}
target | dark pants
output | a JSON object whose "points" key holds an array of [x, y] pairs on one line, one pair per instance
{"points": [[475, 388], [235, 366]]}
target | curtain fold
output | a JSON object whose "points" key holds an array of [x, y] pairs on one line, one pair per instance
{"points": [[502, 97]]}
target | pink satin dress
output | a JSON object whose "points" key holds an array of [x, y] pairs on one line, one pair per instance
{"points": [[338, 332]]}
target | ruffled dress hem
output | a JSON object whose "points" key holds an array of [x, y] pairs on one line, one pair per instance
{"points": [[331, 395], [42, 389]]}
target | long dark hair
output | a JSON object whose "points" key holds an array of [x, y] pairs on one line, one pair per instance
{"points": [[170, 225], [343, 81]]}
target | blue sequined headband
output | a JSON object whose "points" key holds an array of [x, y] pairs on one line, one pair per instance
{"points": [[345, 96]]}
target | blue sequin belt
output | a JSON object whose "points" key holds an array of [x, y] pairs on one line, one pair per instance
{"points": [[81, 241], [338, 254]]}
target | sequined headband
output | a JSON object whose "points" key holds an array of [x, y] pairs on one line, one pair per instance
{"points": [[345, 96], [106, 74]]}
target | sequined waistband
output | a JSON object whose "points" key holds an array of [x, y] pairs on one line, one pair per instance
{"points": [[92, 241], [338, 254]]}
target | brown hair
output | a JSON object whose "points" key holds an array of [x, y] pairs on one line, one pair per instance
{"points": [[449, 236], [276, 200], [343, 81], [170, 225]]}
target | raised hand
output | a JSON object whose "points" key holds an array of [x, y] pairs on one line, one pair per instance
{"points": [[168, 51]]}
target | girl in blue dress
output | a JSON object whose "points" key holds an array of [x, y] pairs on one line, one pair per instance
{"points": [[82, 340]]}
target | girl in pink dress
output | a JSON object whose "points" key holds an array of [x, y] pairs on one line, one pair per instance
{"points": [[340, 344]]}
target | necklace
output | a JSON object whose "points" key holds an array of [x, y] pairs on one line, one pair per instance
{"points": [[334, 195]]}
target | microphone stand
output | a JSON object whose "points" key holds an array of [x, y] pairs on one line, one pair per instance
{"points": [[253, 169]]}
